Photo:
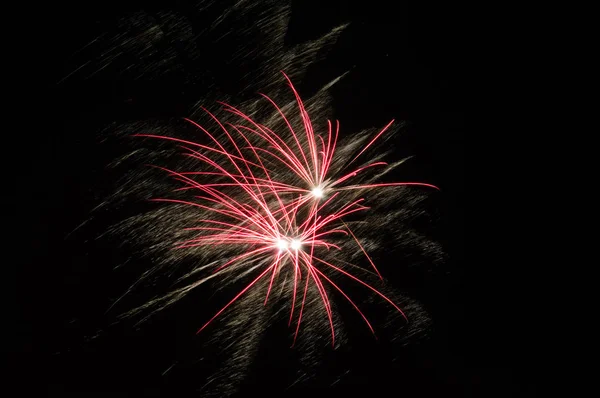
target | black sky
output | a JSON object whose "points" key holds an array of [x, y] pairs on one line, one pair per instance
{"points": [[405, 62]]}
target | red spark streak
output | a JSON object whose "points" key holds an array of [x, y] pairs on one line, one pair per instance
{"points": [[254, 212]]}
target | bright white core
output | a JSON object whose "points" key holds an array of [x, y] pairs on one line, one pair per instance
{"points": [[295, 244], [317, 192]]}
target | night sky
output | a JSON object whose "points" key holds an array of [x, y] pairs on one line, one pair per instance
{"points": [[404, 62]]}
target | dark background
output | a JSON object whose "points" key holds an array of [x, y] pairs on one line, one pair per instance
{"points": [[406, 63]]}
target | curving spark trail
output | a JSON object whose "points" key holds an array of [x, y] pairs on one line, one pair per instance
{"points": [[275, 197]]}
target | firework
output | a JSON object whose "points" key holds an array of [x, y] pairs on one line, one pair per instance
{"points": [[279, 199]]}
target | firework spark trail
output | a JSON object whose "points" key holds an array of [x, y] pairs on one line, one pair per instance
{"points": [[275, 198]]}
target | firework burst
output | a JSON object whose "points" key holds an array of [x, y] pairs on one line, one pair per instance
{"points": [[280, 199]]}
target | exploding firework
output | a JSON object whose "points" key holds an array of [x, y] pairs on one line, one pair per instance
{"points": [[276, 201]]}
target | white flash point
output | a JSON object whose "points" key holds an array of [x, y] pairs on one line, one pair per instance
{"points": [[282, 244], [295, 244], [317, 192]]}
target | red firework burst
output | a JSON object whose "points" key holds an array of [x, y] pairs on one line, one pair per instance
{"points": [[273, 196]]}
